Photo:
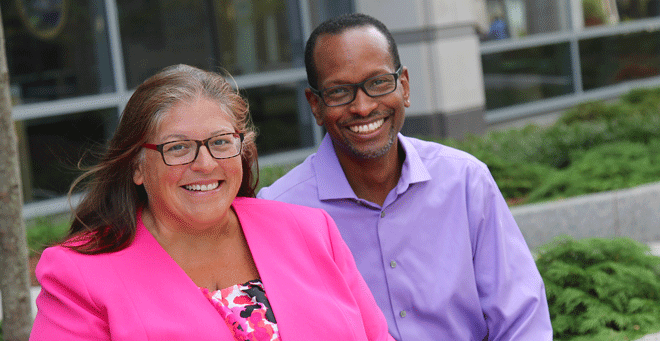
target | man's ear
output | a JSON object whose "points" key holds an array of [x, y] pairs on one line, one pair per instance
{"points": [[405, 85], [315, 104]]}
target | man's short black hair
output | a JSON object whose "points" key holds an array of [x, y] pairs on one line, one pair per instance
{"points": [[338, 25]]}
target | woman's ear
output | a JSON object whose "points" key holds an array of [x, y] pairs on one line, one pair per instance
{"points": [[138, 174]]}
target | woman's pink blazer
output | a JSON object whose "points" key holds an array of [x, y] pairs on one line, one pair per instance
{"points": [[140, 293]]}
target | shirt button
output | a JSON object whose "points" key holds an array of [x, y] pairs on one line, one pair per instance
{"points": [[402, 313], [382, 214], [393, 264]]}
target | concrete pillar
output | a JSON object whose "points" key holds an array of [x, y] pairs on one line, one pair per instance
{"points": [[438, 42]]}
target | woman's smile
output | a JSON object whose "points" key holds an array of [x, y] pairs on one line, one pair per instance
{"points": [[202, 187]]}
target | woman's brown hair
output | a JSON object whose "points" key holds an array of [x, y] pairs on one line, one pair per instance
{"points": [[105, 219]]}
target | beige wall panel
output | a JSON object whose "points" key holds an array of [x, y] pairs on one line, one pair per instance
{"points": [[458, 68], [397, 15], [416, 57]]}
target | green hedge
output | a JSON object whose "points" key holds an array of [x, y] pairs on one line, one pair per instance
{"points": [[601, 289], [45, 231], [593, 147]]}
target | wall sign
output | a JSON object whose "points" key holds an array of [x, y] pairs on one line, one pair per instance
{"points": [[43, 18]]}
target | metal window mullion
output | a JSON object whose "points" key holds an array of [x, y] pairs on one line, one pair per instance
{"points": [[541, 39], [576, 66], [66, 106], [305, 20], [524, 110], [114, 36]]}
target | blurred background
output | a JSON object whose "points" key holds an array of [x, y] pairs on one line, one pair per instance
{"points": [[474, 64]]}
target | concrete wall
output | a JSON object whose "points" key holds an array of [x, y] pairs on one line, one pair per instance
{"points": [[633, 213]]}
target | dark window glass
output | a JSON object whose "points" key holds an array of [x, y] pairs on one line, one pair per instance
{"points": [[159, 33], [274, 112], [252, 35], [56, 145], [526, 75], [56, 49], [241, 36], [321, 10], [611, 60]]}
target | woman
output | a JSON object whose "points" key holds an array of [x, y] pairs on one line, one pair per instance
{"points": [[169, 243]]}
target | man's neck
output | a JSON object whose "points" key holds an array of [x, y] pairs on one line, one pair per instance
{"points": [[373, 179]]}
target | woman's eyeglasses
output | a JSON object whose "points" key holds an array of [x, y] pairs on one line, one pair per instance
{"points": [[183, 152]]}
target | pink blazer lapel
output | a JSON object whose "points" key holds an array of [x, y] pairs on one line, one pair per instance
{"points": [[162, 288], [298, 290]]}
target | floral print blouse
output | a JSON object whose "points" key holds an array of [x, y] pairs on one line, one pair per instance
{"points": [[246, 311]]}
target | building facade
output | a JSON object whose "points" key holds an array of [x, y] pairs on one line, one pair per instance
{"points": [[472, 63]]}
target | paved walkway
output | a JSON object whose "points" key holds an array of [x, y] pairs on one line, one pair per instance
{"points": [[651, 337]]}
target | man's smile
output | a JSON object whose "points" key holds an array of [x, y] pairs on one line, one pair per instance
{"points": [[367, 128]]}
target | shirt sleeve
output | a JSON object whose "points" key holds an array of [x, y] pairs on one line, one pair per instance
{"points": [[510, 287], [372, 317], [66, 311]]}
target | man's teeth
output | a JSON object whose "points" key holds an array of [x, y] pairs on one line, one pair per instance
{"points": [[367, 128], [202, 188]]}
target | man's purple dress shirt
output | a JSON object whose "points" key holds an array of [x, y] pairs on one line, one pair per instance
{"points": [[443, 256]]}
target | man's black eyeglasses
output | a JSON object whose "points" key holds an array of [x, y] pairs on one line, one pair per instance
{"points": [[380, 85], [183, 152]]}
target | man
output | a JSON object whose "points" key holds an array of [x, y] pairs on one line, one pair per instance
{"points": [[427, 225]]}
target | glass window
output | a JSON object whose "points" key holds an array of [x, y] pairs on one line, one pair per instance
{"points": [[159, 33], [55, 145], [274, 111], [241, 36], [56, 49], [321, 10], [252, 35], [599, 12], [615, 59], [526, 75], [519, 18]]}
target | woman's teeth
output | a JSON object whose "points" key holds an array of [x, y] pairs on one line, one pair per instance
{"points": [[202, 188], [367, 128]]}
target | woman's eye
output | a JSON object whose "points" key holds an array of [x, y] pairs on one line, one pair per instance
{"points": [[176, 147], [219, 142]]}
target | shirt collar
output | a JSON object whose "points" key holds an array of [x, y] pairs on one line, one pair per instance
{"points": [[413, 170], [332, 183]]}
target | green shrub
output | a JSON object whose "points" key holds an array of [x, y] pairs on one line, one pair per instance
{"points": [[603, 168], [640, 95], [515, 179], [600, 289], [589, 112], [45, 231], [268, 175]]}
